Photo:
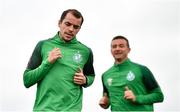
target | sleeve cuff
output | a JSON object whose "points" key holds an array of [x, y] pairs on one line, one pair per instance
{"points": [[46, 63]]}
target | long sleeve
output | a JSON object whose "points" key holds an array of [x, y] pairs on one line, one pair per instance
{"points": [[154, 92], [31, 77], [36, 69], [153, 97], [89, 70], [105, 91]]}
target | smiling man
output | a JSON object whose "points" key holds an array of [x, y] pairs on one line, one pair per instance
{"points": [[128, 86], [61, 66]]}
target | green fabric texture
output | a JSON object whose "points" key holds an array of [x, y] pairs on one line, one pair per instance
{"points": [[132, 75], [56, 90]]}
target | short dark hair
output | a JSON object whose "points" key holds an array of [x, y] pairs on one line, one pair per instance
{"points": [[74, 12], [122, 37]]}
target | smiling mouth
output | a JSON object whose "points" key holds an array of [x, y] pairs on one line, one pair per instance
{"points": [[117, 53]]}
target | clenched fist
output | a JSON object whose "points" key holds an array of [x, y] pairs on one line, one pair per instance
{"points": [[54, 55]]}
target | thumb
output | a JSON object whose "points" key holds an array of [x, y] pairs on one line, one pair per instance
{"points": [[79, 70], [127, 88]]}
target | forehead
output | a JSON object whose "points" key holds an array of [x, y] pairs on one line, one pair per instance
{"points": [[72, 19], [119, 41]]}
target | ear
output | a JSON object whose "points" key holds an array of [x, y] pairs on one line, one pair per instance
{"points": [[59, 23], [129, 49]]}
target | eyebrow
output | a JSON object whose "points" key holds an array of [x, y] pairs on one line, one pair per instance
{"points": [[67, 21]]}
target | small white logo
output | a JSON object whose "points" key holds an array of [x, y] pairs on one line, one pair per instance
{"points": [[130, 76], [77, 57], [109, 81]]}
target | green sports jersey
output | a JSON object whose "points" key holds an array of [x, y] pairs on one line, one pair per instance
{"points": [[139, 79], [56, 90]]}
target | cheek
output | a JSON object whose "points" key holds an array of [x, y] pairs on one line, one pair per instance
{"points": [[59, 25], [112, 52], [62, 27], [127, 51], [76, 31]]}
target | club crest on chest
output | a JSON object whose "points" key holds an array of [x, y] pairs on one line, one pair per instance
{"points": [[77, 57], [130, 76]]}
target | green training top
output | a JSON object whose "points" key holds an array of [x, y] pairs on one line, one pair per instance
{"points": [[139, 79], [56, 90]]}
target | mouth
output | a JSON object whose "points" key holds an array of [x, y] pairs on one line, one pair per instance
{"points": [[118, 53], [69, 34]]}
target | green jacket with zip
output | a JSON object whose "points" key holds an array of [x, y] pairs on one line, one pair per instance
{"points": [[56, 90], [137, 78]]}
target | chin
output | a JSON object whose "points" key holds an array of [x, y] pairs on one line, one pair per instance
{"points": [[117, 57]]}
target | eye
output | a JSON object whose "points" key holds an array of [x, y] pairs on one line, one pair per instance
{"points": [[67, 24], [76, 27], [121, 45], [114, 46]]}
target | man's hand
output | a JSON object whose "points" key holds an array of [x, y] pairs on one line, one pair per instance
{"points": [[79, 77], [129, 95], [104, 102], [54, 55]]}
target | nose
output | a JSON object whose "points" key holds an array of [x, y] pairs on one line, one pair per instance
{"points": [[71, 28], [118, 48]]}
